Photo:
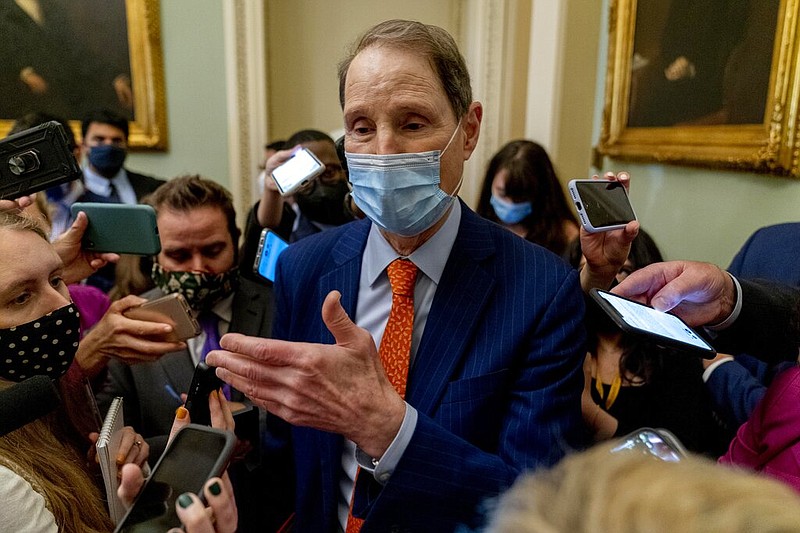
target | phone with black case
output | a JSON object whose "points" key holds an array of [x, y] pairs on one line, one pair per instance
{"points": [[659, 327], [35, 159], [204, 381], [195, 455]]}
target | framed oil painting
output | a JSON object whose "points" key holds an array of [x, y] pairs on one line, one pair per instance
{"points": [[67, 57], [709, 83]]}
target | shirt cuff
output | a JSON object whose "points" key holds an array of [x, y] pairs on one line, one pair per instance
{"points": [[737, 308], [383, 468], [713, 366]]}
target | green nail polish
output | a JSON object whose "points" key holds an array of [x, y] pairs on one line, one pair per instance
{"points": [[184, 500], [215, 489]]}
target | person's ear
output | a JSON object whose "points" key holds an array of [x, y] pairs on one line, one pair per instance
{"points": [[471, 124]]}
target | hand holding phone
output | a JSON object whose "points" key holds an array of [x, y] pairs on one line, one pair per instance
{"points": [[170, 309], [270, 247], [195, 455], [602, 205], [298, 170], [119, 228], [204, 381], [659, 327]]}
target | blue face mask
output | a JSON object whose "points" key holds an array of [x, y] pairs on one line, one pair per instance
{"points": [[510, 212], [107, 158], [400, 192]]}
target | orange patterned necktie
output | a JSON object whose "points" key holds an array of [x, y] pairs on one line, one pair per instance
{"points": [[395, 349]]}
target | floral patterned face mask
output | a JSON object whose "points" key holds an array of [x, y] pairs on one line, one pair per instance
{"points": [[201, 291], [42, 347]]}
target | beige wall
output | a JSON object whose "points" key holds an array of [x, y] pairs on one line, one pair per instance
{"points": [[306, 39], [194, 72]]}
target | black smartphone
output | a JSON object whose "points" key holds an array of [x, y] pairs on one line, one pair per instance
{"points": [[270, 247], [204, 381], [661, 328], [195, 455], [119, 228], [298, 170], [35, 159], [602, 205]]}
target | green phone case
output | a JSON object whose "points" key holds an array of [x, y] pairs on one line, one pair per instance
{"points": [[120, 228]]}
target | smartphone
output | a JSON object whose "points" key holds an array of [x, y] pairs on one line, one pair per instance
{"points": [[660, 443], [270, 247], [119, 228], [35, 159], [170, 309], [195, 455], [602, 205], [662, 328], [301, 168], [204, 381]]}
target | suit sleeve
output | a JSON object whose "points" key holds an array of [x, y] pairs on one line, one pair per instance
{"points": [[767, 326]]}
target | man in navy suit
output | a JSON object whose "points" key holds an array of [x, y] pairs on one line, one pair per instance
{"points": [[496, 347]]}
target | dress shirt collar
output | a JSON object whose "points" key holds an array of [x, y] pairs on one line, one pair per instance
{"points": [[224, 309], [100, 184], [430, 258]]}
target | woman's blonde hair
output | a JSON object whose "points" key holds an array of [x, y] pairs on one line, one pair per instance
{"points": [[40, 453], [599, 491], [45, 452]]}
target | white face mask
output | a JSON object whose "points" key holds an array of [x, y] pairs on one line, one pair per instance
{"points": [[400, 192]]}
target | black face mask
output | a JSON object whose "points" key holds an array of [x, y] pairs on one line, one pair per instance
{"points": [[42, 347], [325, 203]]}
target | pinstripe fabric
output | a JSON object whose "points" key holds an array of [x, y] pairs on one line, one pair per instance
{"points": [[496, 380]]}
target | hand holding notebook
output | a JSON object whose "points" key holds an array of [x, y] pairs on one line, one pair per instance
{"points": [[107, 449]]}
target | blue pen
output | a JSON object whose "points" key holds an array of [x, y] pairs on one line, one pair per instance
{"points": [[172, 393]]}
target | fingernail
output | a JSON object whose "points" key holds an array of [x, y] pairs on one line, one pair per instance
{"points": [[120, 459], [184, 500], [181, 412], [215, 489], [215, 394]]}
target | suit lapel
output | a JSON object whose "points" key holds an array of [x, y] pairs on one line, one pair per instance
{"points": [[344, 276], [457, 309], [250, 304]]}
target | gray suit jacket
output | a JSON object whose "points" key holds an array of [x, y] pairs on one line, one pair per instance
{"points": [[148, 405]]}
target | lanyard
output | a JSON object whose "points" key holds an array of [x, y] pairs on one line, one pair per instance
{"points": [[616, 383]]}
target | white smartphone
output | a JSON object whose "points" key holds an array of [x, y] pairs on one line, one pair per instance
{"points": [[270, 247], [298, 170], [602, 205], [661, 328]]}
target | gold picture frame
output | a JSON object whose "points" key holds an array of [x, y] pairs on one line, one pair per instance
{"points": [[770, 146], [148, 127]]}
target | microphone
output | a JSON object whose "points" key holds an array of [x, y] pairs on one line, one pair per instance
{"points": [[27, 401]]}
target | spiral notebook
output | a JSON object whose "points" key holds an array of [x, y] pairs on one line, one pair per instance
{"points": [[107, 447]]}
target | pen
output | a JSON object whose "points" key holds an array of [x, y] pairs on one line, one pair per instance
{"points": [[172, 393]]}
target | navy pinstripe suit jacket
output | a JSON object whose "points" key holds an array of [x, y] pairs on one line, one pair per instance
{"points": [[497, 378]]}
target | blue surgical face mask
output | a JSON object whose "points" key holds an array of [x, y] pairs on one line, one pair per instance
{"points": [[107, 158], [510, 212], [400, 192]]}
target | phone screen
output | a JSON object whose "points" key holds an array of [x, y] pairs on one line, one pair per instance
{"points": [[299, 168], [604, 202], [646, 319], [195, 455], [659, 443], [269, 250]]}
